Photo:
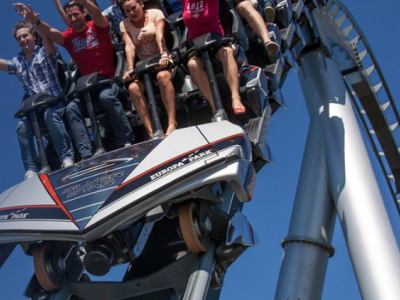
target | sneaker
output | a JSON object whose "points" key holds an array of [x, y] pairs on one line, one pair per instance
{"points": [[98, 152], [271, 48], [29, 174], [86, 157], [67, 163], [269, 13], [255, 3]]}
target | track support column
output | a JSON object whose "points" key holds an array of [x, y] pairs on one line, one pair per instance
{"points": [[307, 247], [352, 184]]}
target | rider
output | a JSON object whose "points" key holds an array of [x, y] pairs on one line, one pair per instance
{"points": [[113, 13], [62, 14], [36, 70], [89, 44], [115, 16], [143, 34], [201, 17], [247, 11]]}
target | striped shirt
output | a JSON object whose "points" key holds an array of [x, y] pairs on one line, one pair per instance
{"points": [[39, 75], [114, 15]]}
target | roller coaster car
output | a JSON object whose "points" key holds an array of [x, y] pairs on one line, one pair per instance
{"points": [[104, 208], [154, 205], [289, 30]]}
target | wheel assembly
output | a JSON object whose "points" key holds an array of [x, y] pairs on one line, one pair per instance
{"points": [[48, 268], [218, 276], [189, 223], [228, 254]]}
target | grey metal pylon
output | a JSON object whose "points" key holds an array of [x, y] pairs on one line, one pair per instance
{"points": [[370, 239], [308, 245], [365, 80]]}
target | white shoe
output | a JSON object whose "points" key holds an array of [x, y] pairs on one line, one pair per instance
{"points": [[269, 14], [255, 3], [29, 174], [67, 163]]}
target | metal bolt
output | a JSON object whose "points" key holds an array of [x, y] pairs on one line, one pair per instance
{"points": [[207, 225], [110, 236], [220, 196], [120, 261], [125, 250], [61, 264]]}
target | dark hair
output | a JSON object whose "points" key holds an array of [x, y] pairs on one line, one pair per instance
{"points": [[68, 5], [121, 2], [22, 24], [26, 24]]}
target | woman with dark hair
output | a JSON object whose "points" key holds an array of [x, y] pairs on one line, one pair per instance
{"points": [[143, 33]]}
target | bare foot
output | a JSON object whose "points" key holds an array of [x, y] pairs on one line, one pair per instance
{"points": [[171, 128]]}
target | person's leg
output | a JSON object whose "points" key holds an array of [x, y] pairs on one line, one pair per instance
{"points": [[168, 97], [200, 78], [136, 90], [225, 56], [58, 133], [79, 133], [256, 22], [116, 115], [27, 145]]}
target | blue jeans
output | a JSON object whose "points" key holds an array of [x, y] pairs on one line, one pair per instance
{"points": [[115, 114], [26, 144], [58, 134]]}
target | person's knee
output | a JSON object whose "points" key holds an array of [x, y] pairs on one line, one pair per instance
{"points": [[104, 97], [163, 78], [244, 7], [134, 89], [109, 95], [224, 53], [21, 128], [193, 65], [51, 116], [72, 109]]}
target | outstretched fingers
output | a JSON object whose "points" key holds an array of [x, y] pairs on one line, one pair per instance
{"points": [[20, 9], [26, 13]]}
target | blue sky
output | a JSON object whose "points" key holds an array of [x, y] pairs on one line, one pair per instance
{"points": [[254, 275]]}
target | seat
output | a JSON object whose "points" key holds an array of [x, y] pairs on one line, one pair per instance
{"points": [[235, 36], [147, 70], [89, 87], [34, 106]]}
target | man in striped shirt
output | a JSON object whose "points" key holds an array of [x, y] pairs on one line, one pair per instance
{"points": [[36, 70], [115, 15]]}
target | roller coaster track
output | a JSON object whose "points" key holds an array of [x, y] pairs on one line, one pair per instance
{"points": [[370, 95], [364, 79]]}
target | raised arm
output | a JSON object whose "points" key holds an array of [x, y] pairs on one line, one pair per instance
{"points": [[41, 27], [97, 17], [61, 12]]}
